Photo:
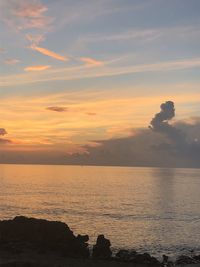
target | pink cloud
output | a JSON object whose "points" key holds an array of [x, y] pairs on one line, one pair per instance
{"points": [[30, 10], [25, 14], [90, 62], [35, 39], [2, 50]]}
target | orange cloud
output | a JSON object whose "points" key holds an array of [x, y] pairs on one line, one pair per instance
{"points": [[91, 113], [37, 68], [49, 53], [90, 62]]}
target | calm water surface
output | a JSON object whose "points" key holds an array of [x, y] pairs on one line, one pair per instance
{"points": [[143, 208]]}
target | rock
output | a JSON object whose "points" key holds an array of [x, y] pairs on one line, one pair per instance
{"points": [[197, 258], [82, 238], [146, 258], [123, 255], [165, 259], [22, 233], [185, 260], [134, 257], [101, 250], [126, 255]]}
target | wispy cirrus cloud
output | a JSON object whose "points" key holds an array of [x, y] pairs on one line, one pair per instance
{"points": [[75, 73], [37, 68], [11, 61], [91, 62], [27, 9], [136, 34], [2, 50], [35, 39], [25, 14], [49, 53], [57, 109], [140, 36]]}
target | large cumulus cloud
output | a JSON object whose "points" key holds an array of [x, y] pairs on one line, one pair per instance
{"points": [[162, 144], [160, 122]]}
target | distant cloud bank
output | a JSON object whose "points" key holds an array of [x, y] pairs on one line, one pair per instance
{"points": [[165, 143], [162, 145]]}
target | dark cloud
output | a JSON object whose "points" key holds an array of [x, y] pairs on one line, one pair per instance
{"points": [[57, 109], [3, 131], [160, 123], [3, 140], [178, 134]]}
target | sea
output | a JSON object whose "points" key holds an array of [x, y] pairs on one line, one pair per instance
{"points": [[156, 210]]}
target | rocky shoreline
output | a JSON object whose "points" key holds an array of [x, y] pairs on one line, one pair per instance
{"points": [[36, 242]]}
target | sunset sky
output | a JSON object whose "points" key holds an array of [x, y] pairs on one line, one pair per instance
{"points": [[77, 75]]}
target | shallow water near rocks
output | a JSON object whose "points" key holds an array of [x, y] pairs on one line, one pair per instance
{"points": [[147, 209]]}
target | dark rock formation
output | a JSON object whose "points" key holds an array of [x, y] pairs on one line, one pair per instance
{"points": [[126, 255], [146, 258], [134, 257], [165, 260], [101, 250], [197, 258], [41, 235], [185, 260]]}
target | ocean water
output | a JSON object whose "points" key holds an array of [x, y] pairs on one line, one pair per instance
{"points": [[148, 209]]}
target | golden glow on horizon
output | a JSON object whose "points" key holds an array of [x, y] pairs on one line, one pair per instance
{"points": [[30, 124]]}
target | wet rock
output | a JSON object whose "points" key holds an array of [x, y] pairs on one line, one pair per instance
{"points": [[165, 259], [22, 233], [126, 255], [133, 256], [146, 258], [185, 260], [166, 262], [82, 238], [123, 255], [101, 250], [197, 258]]}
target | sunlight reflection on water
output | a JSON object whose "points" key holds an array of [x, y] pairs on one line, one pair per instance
{"points": [[144, 208]]}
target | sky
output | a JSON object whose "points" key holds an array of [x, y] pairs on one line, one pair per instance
{"points": [[81, 81]]}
